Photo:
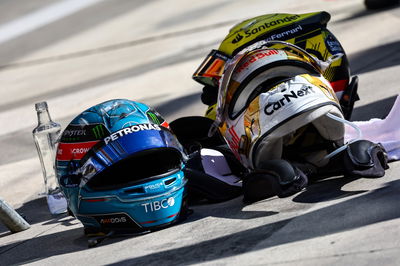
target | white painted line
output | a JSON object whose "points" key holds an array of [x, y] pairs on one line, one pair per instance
{"points": [[42, 17]]}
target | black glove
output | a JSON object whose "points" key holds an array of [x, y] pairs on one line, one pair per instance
{"points": [[364, 158], [274, 178], [209, 95]]}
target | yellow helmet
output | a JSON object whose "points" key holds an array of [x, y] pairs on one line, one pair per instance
{"points": [[307, 31]]}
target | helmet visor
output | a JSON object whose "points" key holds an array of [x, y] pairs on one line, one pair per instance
{"points": [[210, 71], [131, 155]]}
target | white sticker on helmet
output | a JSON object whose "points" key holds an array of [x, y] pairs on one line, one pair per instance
{"points": [[289, 100]]}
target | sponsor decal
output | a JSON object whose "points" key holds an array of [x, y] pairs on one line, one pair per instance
{"points": [[73, 151], [256, 57], [129, 130], [332, 44], [74, 132], [285, 34], [157, 118], [270, 108], [153, 117], [98, 131], [158, 205], [113, 220], [116, 220], [78, 133], [237, 39], [263, 27], [80, 150], [153, 186]]}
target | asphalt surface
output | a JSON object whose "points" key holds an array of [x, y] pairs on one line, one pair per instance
{"points": [[86, 52]]}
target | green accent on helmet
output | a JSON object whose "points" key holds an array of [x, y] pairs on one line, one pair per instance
{"points": [[153, 117]]}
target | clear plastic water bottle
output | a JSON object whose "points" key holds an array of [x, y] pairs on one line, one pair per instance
{"points": [[45, 136]]}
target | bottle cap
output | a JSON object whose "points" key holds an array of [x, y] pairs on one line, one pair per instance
{"points": [[41, 106]]}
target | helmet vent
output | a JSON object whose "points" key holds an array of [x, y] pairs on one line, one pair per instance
{"points": [[138, 190], [170, 181]]}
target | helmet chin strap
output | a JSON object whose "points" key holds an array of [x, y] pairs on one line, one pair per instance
{"points": [[331, 116]]}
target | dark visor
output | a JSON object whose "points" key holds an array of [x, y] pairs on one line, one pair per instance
{"points": [[124, 149]]}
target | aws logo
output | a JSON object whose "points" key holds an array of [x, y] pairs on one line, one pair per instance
{"points": [[238, 38]]}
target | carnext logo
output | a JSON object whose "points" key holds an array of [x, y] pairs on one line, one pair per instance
{"points": [[286, 98]]}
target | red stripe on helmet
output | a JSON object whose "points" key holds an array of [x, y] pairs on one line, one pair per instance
{"points": [[339, 85], [95, 200], [73, 151], [150, 222]]}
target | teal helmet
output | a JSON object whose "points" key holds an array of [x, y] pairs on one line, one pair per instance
{"points": [[121, 168]]}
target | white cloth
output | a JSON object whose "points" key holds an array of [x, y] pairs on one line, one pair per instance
{"points": [[385, 131], [215, 165]]}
